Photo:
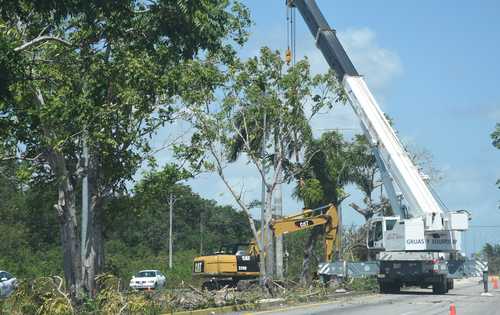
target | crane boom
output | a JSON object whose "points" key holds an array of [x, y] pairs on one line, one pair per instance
{"points": [[415, 247], [390, 153]]}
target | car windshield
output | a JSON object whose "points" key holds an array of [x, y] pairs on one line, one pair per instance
{"points": [[146, 274], [6, 275]]}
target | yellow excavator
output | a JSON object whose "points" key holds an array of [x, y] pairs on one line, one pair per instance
{"points": [[236, 262]]}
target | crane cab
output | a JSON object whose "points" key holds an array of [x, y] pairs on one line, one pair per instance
{"points": [[377, 228], [413, 234]]}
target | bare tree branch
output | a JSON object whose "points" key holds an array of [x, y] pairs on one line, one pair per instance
{"points": [[246, 142], [22, 158], [236, 197], [40, 40]]}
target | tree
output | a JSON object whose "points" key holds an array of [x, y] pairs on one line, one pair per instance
{"points": [[322, 181], [104, 75], [232, 126], [492, 254], [286, 132], [365, 174], [328, 171]]}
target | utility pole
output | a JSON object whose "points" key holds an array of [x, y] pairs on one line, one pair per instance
{"points": [[201, 233], [339, 233], [171, 202]]}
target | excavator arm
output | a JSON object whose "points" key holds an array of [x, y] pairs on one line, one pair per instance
{"points": [[326, 216]]}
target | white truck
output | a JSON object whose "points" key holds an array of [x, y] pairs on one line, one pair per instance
{"points": [[414, 247]]}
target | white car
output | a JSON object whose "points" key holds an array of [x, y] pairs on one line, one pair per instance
{"points": [[148, 280], [7, 284]]}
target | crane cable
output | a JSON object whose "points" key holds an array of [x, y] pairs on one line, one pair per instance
{"points": [[290, 36]]}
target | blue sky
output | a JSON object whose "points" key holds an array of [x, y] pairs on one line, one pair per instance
{"points": [[434, 68]]}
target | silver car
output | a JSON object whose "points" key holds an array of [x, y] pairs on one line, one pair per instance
{"points": [[7, 283]]}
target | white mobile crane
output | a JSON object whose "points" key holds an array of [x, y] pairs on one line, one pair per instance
{"points": [[414, 247]]}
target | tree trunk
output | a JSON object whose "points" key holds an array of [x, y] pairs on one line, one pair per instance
{"points": [[308, 253], [268, 236], [278, 206], [66, 213], [278, 211], [93, 251]]}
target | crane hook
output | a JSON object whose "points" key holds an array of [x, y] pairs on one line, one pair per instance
{"points": [[288, 56]]}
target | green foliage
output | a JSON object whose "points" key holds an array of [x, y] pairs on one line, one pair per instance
{"points": [[311, 192], [363, 165], [495, 136], [492, 253], [143, 219], [254, 88], [42, 296], [10, 65], [294, 245], [136, 228], [333, 162], [327, 172], [30, 234], [105, 74]]}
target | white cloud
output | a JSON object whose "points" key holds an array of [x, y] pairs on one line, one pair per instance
{"points": [[380, 66]]}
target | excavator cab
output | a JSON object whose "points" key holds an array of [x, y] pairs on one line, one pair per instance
{"points": [[233, 249]]}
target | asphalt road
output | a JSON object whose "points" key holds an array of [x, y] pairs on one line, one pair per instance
{"points": [[466, 296]]}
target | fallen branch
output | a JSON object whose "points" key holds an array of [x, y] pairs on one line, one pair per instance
{"points": [[123, 308], [279, 286], [59, 289], [310, 294], [196, 290]]}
